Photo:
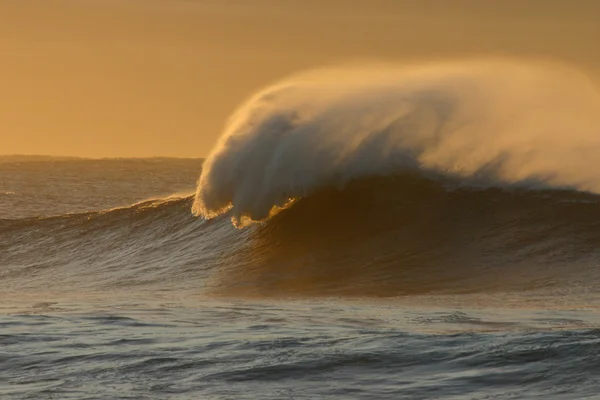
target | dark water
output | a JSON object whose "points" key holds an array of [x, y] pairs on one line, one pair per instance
{"points": [[389, 288], [305, 351]]}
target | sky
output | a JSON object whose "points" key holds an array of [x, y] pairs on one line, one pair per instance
{"points": [[144, 78]]}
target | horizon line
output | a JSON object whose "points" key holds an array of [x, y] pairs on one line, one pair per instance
{"points": [[56, 157]]}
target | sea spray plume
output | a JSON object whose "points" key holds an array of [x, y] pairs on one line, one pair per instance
{"points": [[511, 121]]}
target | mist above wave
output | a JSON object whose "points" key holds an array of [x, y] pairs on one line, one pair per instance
{"points": [[492, 122]]}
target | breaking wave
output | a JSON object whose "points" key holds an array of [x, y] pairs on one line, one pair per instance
{"points": [[487, 123], [456, 178]]}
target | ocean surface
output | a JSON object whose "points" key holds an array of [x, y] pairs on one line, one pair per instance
{"points": [[389, 287]]}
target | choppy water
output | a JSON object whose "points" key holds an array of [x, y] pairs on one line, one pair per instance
{"points": [[295, 350], [102, 299]]}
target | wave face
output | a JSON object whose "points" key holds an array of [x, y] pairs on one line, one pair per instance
{"points": [[151, 242], [407, 235], [401, 235], [489, 123]]}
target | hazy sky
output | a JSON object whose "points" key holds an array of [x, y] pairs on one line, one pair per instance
{"points": [[106, 78]]}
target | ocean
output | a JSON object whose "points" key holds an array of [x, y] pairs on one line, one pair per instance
{"points": [[112, 289], [429, 233]]}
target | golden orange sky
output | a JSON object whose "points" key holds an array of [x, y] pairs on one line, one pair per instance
{"points": [[136, 78]]}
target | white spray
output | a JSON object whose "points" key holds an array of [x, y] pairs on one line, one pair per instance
{"points": [[524, 121]]}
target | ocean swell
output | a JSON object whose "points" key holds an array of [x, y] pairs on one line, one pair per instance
{"points": [[381, 236]]}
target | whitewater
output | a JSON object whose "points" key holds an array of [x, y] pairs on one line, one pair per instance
{"points": [[515, 123], [375, 231]]}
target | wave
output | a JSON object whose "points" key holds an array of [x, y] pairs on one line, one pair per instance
{"points": [[397, 235], [465, 177], [139, 245], [406, 234], [486, 122]]}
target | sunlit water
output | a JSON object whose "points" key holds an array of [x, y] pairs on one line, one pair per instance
{"points": [[149, 324]]}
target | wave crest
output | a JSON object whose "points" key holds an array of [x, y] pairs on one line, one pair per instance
{"points": [[485, 122]]}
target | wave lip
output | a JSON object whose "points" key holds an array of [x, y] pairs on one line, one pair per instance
{"points": [[493, 122]]}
